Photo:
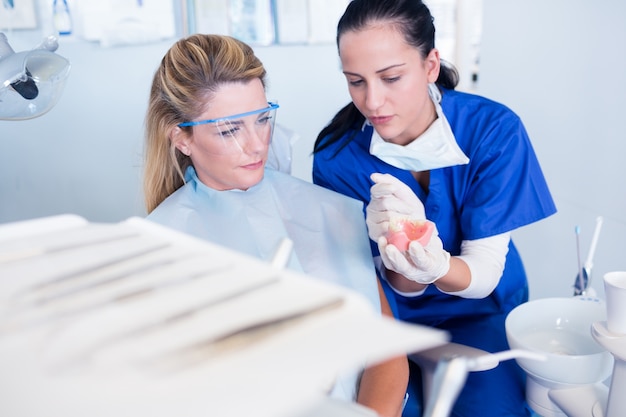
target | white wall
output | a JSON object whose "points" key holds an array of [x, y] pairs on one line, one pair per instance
{"points": [[310, 88], [84, 156], [560, 65]]}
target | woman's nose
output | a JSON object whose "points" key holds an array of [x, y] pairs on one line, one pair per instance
{"points": [[374, 97], [257, 140]]}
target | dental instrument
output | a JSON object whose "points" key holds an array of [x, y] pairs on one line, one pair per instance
{"points": [[583, 279]]}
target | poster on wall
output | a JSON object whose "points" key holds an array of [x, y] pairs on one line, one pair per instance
{"points": [[209, 16], [292, 24], [323, 18], [124, 22], [251, 21], [266, 22], [17, 14]]}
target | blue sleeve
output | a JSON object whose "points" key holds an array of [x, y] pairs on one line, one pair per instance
{"points": [[504, 187]]}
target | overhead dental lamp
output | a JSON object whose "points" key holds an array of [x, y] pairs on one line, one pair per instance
{"points": [[31, 82]]}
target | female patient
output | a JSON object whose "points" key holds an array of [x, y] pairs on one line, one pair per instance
{"points": [[208, 133]]}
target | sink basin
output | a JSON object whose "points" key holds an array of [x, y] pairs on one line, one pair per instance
{"points": [[560, 329]]}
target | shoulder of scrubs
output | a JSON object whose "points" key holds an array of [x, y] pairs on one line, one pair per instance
{"points": [[347, 168], [503, 187]]}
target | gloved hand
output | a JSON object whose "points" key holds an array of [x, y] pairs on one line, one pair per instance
{"points": [[422, 264], [390, 198]]}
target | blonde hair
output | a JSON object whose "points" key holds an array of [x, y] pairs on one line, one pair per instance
{"points": [[188, 76]]}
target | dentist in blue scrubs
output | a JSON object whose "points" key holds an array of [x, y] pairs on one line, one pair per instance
{"points": [[411, 147]]}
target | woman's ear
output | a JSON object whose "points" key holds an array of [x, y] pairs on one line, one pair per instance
{"points": [[432, 64], [181, 140]]}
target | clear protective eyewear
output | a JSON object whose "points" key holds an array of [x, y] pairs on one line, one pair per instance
{"points": [[233, 132]]}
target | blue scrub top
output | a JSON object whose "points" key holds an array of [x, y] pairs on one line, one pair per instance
{"points": [[502, 188]]}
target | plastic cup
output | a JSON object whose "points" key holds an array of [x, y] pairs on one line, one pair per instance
{"points": [[615, 292]]}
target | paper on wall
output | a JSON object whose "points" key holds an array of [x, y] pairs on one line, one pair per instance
{"points": [[124, 22]]}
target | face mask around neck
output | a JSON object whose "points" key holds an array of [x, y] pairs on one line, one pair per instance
{"points": [[435, 148]]}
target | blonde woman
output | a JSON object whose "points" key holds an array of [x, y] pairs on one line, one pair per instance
{"points": [[209, 130]]}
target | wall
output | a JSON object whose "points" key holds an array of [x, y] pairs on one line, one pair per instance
{"points": [[559, 65], [84, 156]]}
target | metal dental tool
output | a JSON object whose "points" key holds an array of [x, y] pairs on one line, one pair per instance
{"points": [[580, 285], [584, 270]]}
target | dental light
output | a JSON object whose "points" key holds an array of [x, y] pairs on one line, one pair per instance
{"points": [[31, 82]]}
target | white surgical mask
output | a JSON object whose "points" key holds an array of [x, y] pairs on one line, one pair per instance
{"points": [[435, 148]]}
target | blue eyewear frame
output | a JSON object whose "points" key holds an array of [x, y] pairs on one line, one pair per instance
{"points": [[270, 106]]}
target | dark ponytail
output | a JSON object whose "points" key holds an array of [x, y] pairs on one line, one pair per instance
{"points": [[346, 119]]}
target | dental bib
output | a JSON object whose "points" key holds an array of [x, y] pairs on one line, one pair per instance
{"points": [[435, 148]]}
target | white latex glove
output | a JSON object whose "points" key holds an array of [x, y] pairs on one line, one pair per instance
{"points": [[390, 199], [422, 264]]}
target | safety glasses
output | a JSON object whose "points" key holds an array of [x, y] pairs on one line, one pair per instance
{"points": [[231, 133]]}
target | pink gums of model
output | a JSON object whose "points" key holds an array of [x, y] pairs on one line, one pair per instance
{"points": [[402, 232]]}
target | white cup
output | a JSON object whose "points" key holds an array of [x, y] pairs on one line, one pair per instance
{"points": [[615, 292]]}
